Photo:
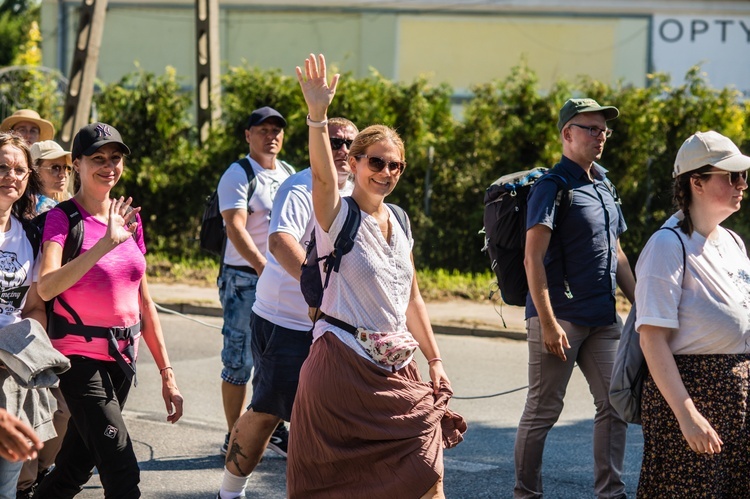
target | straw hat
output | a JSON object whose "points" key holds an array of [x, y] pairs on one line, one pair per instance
{"points": [[46, 129]]}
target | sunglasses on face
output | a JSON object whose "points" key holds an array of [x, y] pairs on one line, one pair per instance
{"points": [[734, 177], [58, 169], [337, 144], [377, 164]]}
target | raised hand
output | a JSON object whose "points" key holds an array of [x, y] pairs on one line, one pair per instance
{"points": [[314, 83], [122, 222]]}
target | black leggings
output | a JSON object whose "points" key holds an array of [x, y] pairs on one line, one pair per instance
{"points": [[95, 392]]}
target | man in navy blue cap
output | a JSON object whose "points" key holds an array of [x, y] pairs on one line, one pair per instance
{"points": [[246, 191]]}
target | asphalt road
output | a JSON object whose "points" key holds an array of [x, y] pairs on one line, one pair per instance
{"points": [[182, 461]]}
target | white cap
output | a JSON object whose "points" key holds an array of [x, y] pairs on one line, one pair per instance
{"points": [[709, 148], [48, 149]]}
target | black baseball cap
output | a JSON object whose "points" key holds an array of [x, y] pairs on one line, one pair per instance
{"points": [[262, 114], [93, 136]]}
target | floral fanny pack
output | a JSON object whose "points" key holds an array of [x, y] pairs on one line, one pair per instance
{"points": [[387, 348]]}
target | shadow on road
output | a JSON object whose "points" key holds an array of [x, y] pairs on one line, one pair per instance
{"points": [[482, 466], [185, 463]]}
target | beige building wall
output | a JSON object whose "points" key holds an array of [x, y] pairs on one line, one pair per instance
{"points": [[468, 50], [462, 45], [351, 41]]}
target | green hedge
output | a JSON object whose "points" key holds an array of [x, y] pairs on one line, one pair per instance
{"points": [[505, 126]]}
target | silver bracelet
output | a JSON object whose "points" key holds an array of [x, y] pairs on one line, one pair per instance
{"points": [[316, 124]]}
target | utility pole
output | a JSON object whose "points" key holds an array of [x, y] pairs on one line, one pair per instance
{"points": [[83, 69], [207, 82]]}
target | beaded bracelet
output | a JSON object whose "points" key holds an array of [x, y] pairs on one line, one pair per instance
{"points": [[434, 360]]}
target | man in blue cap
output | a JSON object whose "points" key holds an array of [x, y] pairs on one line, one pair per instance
{"points": [[574, 264], [246, 192]]}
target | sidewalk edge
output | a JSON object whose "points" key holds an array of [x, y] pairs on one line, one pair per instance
{"points": [[209, 311]]}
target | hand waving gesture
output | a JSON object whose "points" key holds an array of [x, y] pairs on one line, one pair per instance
{"points": [[314, 83], [122, 222]]}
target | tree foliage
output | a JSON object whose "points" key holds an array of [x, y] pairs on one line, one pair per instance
{"points": [[16, 18], [452, 155]]}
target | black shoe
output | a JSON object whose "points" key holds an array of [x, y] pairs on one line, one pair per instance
{"points": [[225, 448], [26, 493], [29, 493], [279, 440]]}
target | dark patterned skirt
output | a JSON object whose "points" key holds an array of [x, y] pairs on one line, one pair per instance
{"points": [[718, 386], [361, 431]]}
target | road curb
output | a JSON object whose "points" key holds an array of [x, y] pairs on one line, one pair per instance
{"points": [[477, 331], [450, 329], [190, 309]]}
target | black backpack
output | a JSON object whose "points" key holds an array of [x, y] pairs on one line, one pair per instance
{"points": [[311, 282], [213, 235], [74, 241], [505, 227]]}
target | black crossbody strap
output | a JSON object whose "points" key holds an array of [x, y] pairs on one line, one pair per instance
{"points": [[343, 325]]}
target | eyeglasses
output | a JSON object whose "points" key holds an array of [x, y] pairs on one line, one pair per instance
{"points": [[595, 131], [377, 164], [58, 169], [24, 130], [734, 177], [337, 143], [17, 173]]}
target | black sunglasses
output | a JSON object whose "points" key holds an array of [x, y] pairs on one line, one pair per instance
{"points": [[377, 164], [734, 177], [337, 143]]}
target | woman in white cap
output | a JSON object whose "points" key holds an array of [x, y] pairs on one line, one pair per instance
{"points": [[102, 308], [29, 125], [693, 295], [53, 166]]}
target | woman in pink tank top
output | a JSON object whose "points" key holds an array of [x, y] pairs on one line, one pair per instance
{"points": [[101, 309]]}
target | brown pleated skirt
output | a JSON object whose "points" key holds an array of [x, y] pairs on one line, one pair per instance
{"points": [[360, 431]]}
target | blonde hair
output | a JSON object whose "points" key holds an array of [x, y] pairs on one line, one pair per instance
{"points": [[374, 134]]}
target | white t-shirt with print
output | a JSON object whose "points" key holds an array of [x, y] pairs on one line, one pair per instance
{"points": [[233, 194], [18, 270], [709, 309], [373, 285], [278, 298]]}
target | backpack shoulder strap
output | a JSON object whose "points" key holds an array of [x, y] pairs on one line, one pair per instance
{"points": [[74, 241], [252, 181], [610, 186], [287, 167], [402, 217], [734, 236], [345, 240], [33, 234], [682, 244]]}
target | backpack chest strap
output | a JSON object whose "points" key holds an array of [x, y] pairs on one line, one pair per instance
{"points": [[61, 328]]}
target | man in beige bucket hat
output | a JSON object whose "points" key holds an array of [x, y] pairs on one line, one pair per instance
{"points": [[28, 124]]}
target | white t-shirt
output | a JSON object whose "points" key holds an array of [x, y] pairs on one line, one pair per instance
{"points": [[18, 270], [232, 190], [373, 285], [278, 297], [709, 308]]}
